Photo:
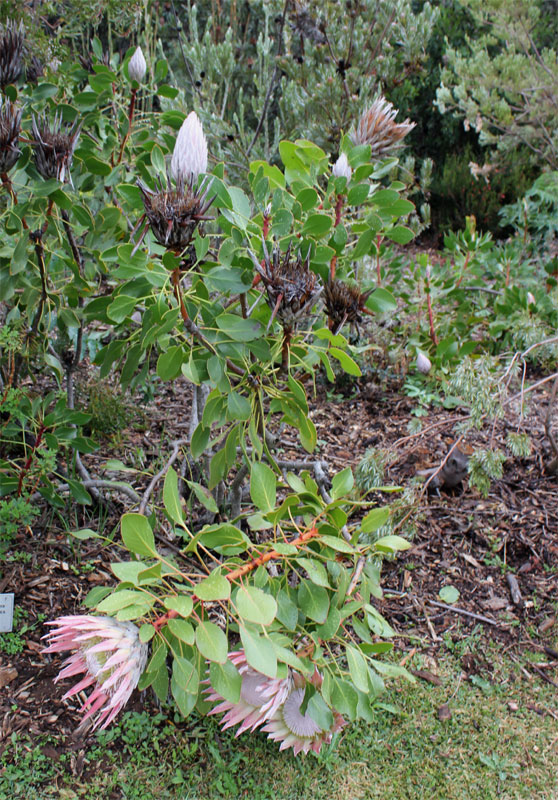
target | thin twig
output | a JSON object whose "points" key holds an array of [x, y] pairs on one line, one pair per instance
{"points": [[97, 484], [163, 471]]}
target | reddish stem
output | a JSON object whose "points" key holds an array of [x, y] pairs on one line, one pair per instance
{"points": [[379, 240], [25, 469], [430, 315], [465, 265], [130, 120]]}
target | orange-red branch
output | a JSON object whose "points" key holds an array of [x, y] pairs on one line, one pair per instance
{"points": [[240, 572], [269, 556]]}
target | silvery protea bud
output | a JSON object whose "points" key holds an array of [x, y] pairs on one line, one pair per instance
{"points": [[54, 146], [424, 364], [377, 127], [108, 652], [10, 124], [137, 66], [531, 299], [189, 158], [12, 39], [341, 168]]}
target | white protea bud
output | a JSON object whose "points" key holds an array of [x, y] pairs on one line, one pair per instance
{"points": [[424, 364], [137, 66], [189, 158], [341, 168], [531, 299]]}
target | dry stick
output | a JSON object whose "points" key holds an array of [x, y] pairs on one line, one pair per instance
{"points": [[163, 471], [553, 466], [456, 609], [118, 486], [271, 87]]}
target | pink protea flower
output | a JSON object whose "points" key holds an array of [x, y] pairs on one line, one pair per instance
{"points": [[260, 697], [377, 127], [300, 731], [108, 652]]}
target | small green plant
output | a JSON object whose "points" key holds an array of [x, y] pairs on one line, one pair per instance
{"points": [[16, 514]]}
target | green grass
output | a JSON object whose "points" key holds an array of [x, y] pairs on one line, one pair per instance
{"points": [[484, 751]]}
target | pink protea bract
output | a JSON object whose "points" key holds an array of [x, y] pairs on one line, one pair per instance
{"points": [[260, 697]]}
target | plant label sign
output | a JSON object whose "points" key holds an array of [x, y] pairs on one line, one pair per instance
{"points": [[6, 612]]}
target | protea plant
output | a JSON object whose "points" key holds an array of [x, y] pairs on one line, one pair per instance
{"points": [[377, 127], [344, 303], [108, 652], [54, 146], [10, 125], [12, 43], [175, 212], [260, 697]]}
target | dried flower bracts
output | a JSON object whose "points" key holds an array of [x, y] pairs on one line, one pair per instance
{"points": [[344, 303], [292, 288], [12, 42], [54, 146], [10, 126], [377, 127], [108, 652], [175, 213]]}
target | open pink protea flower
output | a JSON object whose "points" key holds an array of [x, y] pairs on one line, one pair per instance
{"points": [[378, 128], [260, 697], [300, 731], [108, 652]]}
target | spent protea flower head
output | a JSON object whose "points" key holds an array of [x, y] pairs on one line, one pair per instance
{"points": [[12, 44], [189, 158], [110, 655], [54, 146], [260, 697], [341, 168], [344, 303], [291, 286], [377, 127], [137, 66], [10, 125], [292, 728], [175, 212]]}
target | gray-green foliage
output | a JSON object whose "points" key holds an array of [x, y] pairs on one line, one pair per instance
{"points": [[505, 86], [485, 466], [307, 73], [477, 383]]}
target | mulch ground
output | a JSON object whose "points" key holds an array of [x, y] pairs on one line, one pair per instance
{"points": [[463, 540]]}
